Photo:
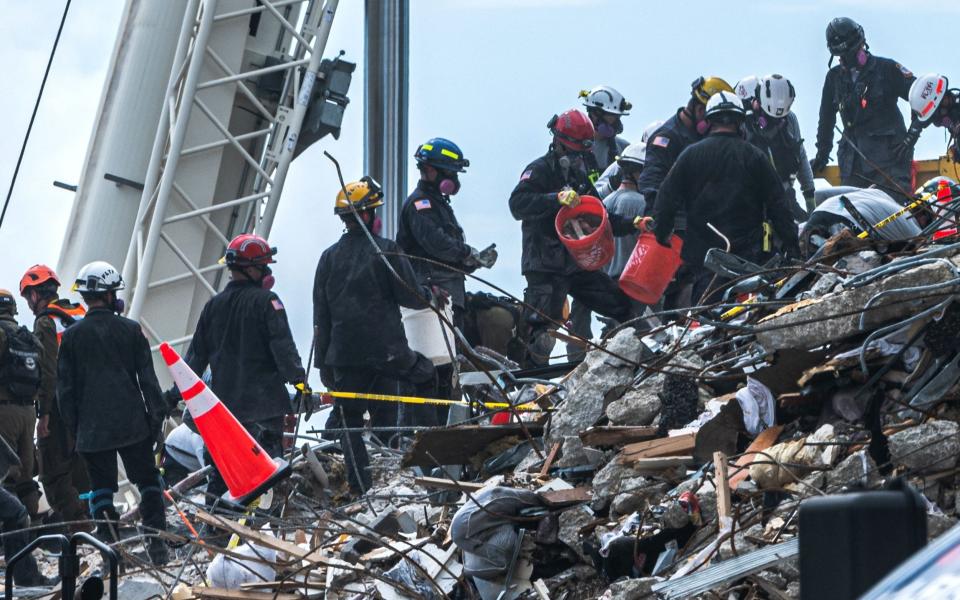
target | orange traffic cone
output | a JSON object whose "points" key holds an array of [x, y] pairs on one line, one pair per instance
{"points": [[246, 468]]}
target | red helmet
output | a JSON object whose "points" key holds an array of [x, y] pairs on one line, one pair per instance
{"points": [[573, 129], [247, 249], [37, 275]]}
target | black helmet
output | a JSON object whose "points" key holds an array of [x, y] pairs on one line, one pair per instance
{"points": [[844, 35]]}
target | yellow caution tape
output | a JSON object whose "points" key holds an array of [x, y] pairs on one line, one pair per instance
{"points": [[528, 407]]}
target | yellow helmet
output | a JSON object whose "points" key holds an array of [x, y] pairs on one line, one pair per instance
{"points": [[705, 87], [363, 195]]}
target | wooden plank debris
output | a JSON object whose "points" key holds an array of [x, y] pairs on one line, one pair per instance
{"points": [[660, 447], [558, 498], [768, 437], [448, 484], [548, 462], [613, 435], [724, 508], [263, 539]]}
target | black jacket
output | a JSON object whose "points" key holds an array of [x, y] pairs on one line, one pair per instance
{"points": [[663, 148], [429, 229], [869, 113], [244, 336], [534, 203], [107, 389], [356, 305], [725, 181]]}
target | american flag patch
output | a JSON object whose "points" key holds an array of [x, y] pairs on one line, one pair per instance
{"points": [[422, 204], [526, 175], [277, 305], [661, 141]]}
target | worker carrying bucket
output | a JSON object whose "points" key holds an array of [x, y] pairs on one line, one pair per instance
{"points": [[555, 182]]}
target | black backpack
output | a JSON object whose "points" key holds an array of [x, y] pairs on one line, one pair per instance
{"points": [[20, 364]]}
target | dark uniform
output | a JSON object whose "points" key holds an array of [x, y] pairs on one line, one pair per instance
{"points": [[725, 181], [549, 268], [873, 126], [783, 145], [244, 336], [62, 472], [663, 148], [111, 403], [361, 344], [16, 527], [429, 229], [18, 421]]}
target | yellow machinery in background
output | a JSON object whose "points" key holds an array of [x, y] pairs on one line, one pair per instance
{"points": [[926, 170]]}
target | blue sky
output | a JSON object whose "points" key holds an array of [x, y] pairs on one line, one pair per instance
{"points": [[486, 73]]}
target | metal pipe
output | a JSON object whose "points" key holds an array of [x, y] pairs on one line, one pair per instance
{"points": [[385, 102], [301, 102]]}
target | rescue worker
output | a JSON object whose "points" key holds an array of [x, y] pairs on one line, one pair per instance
{"points": [[111, 404], [62, 472], [686, 127], [606, 107], [627, 202], [244, 337], [16, 533], [773, 128], [557, 179], [933, 102], [727, 183], [361, 282], [611, 178], [429, 229], [20, 358], [864, 89]]}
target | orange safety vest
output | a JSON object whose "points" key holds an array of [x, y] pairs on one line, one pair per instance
{"points": [[64, 316]]}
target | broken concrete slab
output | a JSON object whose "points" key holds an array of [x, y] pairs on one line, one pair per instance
{"points": [[931, 446], [639, 406], [811, 323]]}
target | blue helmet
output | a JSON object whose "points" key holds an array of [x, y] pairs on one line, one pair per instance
{"points": [[441, 154]]}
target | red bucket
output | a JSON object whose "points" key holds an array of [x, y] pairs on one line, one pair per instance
{"points": [[592, 251], [651, 268]]}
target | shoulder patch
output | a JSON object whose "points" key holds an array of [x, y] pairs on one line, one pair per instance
{"points": [[277, 305], [422, 204], [906, 72], [661, 140], [526, 175]]}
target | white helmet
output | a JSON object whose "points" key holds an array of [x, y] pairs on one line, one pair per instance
{"points": [[606, 99], [776, 94], [926, 94], [724, 103], [634, 154], [98, 277], [746, 88], [649, 130]]}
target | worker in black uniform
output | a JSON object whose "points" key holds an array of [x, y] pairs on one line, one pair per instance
{"points": [[552, 181], [429, 230], [725, 182], [685, 127], [864, 89], [244, 337], [361, 345], [111, 403]]}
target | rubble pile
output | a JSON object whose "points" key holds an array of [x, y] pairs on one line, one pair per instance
{"points": [[671, 463]]}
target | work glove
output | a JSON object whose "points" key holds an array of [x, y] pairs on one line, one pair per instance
{"points": [[568, 197], [488, 256], [303, 398], [643, 224], [472, 261], [905, 147], [809, 198], [818, 163]]}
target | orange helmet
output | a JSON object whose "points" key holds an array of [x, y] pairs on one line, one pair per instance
{"points": [[37, 275]]}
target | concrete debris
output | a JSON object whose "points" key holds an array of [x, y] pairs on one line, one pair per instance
{"points": [[621, 487]]}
